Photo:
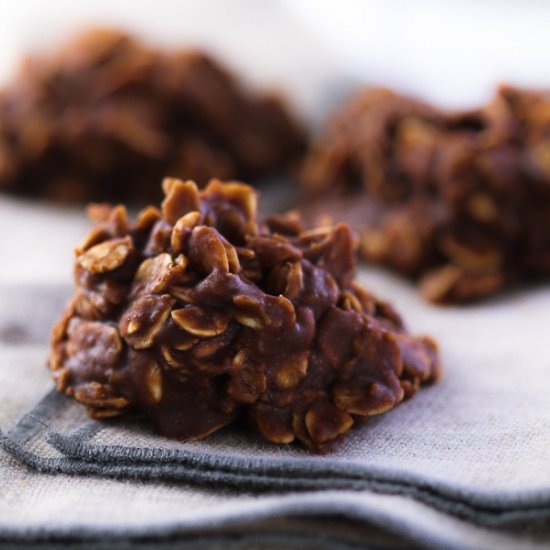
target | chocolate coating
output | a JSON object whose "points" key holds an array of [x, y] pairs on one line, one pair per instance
{"points": [[198, 313], [108, 116], [458, 201]]}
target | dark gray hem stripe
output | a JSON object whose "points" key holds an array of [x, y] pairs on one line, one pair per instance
{"points": [[256, 474], [308, 470], [263, 484], [237, 541]]}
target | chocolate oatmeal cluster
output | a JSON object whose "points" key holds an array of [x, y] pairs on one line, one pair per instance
{"points": [[459, 201], [198, 314], [108, 115]]}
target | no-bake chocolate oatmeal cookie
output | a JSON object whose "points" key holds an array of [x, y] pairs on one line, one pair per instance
{"points": [[198, 314], [459, 201], [108, 115]]}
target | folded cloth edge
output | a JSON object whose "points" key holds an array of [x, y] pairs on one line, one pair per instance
{"points": [[256, 474]]}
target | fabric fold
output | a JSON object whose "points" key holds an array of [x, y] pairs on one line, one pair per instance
{"points": [[42, 439], [464, 465]]}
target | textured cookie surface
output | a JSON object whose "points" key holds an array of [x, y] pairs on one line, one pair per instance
{"points": [[460, 201], [108, 117], [198, 314]]}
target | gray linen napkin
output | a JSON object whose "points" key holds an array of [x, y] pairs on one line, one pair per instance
{"points": [[447, 468]]}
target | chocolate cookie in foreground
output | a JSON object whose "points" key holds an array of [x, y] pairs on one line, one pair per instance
{"points": [[108, 116], [458, 201], [198, 314]]}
